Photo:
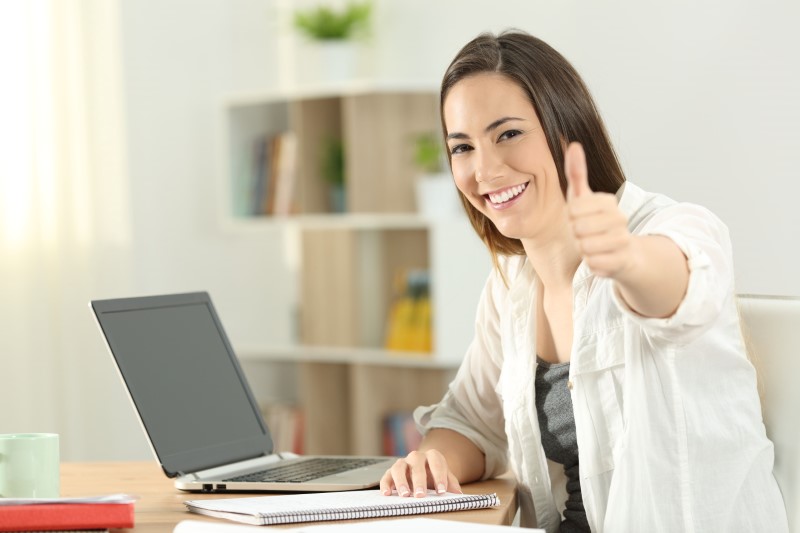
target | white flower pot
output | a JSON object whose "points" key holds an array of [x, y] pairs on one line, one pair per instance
{"points": [[437, 196], [337, 60]]}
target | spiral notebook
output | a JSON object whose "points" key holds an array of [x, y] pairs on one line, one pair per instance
{"points": [[296, 508], [399, 525]]}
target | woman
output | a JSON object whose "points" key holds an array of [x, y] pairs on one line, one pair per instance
{"points": [[607, 368]]}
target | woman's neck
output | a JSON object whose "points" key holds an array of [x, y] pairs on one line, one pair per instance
{"points": [[554, 256]]}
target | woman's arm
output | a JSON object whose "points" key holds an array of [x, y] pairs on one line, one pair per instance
{"points": [[444, 460], [656, 279], [464, 433], [650, 271]]}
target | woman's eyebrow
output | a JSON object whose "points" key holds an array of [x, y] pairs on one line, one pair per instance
{"points": [[494, 125], [499, 122]]}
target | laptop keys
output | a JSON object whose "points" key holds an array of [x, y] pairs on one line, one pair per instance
{"points": [[306, 470]]}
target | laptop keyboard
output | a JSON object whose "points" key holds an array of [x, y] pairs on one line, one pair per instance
{"points": [[307, 470]]}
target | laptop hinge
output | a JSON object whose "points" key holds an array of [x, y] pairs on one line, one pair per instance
{"points": [[241, 466]]}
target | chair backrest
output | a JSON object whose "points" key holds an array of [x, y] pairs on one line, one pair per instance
{"points": [[771, 328]]}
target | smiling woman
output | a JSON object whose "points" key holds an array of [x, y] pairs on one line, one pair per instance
{"points": [[63, 216], [501, 163], [608, 310]]}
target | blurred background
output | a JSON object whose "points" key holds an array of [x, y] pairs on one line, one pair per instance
{"points": [[118, 120]]}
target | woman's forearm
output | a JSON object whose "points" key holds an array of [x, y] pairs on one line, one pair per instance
{"points": [[465, 460], [655, 283]]}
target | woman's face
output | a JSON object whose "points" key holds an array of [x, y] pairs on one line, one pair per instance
{"points": [[500, 158]]}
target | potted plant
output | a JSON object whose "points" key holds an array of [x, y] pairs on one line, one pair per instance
{"points": [[333, 33], [435, 191], [323, 23]]}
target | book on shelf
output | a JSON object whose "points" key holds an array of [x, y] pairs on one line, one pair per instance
{"points": [[261, 165], [319, 507], [409, 327], [274, 169], [400, 525], [67, 514], [400, 434], [286, 425], [286, 175]]}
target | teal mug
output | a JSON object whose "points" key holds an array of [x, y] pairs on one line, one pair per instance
{"points": [[29, 465]]}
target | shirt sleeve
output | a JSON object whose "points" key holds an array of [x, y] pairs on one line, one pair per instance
{"points": [[471, 405], [705, 241]]}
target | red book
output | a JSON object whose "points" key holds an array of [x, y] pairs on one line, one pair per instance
{"points": [[61, 516]]}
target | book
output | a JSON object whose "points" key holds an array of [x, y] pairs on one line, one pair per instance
{"points": [[400, 434], [273, 174], [286, 427], [401, 525], [283, 200], [66, 514], [409, 325], [261, 169], [319, 507], [63, 531]]}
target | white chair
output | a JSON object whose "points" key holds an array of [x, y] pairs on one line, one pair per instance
{"points": [[771, 328]]}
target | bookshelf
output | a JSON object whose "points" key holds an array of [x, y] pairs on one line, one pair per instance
{"points": [[348, 261]]}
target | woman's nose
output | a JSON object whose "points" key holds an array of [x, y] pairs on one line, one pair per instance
{"points": [[487, 166]]}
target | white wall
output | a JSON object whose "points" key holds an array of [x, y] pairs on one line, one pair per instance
{"points": [[701, 101], [181, 59]]}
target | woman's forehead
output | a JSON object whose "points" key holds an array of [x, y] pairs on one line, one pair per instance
{"points": [[485, 96]]}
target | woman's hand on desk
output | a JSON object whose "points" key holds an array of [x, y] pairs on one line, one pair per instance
{"points": [[420, 470]]}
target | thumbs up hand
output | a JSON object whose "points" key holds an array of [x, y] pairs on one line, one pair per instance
{"points": [[600, 228]]}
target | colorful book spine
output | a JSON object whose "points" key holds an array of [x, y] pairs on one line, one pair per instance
{"points": [[66, 516], [400, 434], [409, 325]]}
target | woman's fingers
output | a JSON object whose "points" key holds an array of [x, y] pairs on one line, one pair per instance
{"points": [[398, 474], [452, 484], [418, 464], [439, 472], [418, 471], [387, 483], [575, 169], [599, 226]]}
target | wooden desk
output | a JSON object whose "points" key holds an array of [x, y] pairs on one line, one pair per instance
{"points": [[160, 505]]}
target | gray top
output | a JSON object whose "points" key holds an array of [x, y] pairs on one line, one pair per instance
{"points": [[557, 425]]}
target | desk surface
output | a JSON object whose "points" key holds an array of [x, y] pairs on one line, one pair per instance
{"points": [[160, 505]]}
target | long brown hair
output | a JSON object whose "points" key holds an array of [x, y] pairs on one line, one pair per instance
{"points": [[562, 103]]}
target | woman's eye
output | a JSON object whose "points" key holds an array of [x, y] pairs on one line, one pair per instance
{"points": [[459, 149], [508, 134]]}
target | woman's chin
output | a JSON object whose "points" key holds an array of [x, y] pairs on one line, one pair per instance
{"points": [[510, 231]]}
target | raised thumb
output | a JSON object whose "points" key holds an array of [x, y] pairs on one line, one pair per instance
{"points": [[575, 169]]}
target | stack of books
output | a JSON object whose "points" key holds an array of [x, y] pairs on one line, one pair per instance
{"points": [[99, 513]]}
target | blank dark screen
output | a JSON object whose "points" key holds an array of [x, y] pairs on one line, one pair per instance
{"points": [[182, 379]]}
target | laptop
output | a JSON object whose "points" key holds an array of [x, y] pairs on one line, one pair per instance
{"points": [[196, 407]]}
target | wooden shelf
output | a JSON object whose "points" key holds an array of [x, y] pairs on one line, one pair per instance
{"points": [[348, 264], [346, 221], [330, 90], [339, 355]]}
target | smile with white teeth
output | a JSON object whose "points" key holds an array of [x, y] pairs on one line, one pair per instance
{"points": [[506, 195]]}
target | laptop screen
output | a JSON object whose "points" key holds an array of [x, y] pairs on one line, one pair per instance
{"points": [[184, 379]]}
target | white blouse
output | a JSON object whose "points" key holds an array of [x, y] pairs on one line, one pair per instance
{"points": [[667, 413]]}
